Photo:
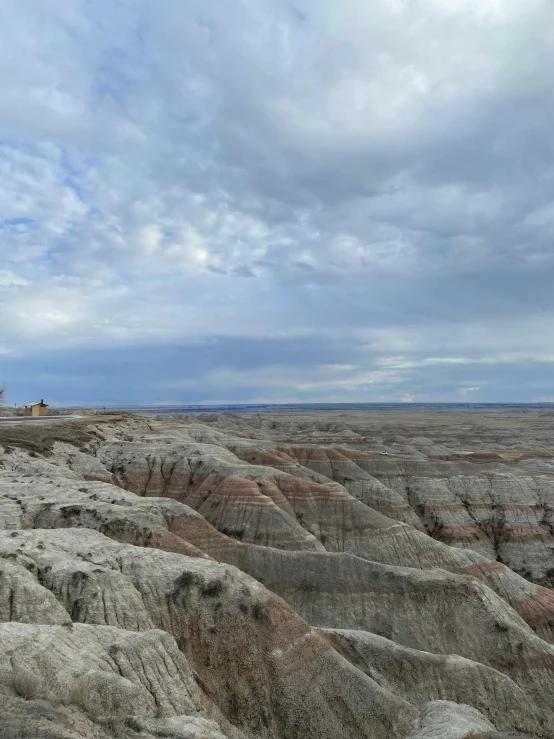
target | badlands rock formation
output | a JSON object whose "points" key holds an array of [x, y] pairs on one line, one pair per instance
{"points": [[278, 576]]}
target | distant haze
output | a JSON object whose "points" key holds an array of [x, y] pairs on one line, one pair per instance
{"points": [[270, 201]]}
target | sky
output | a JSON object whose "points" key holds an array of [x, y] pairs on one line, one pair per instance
{"points": [[271, 201]]}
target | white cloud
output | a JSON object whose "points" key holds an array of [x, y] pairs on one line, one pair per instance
{"points": [[374, 173], [467, 390], [9, 279]]}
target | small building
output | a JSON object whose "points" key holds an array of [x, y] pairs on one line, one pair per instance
{"points": [[36, 409]]}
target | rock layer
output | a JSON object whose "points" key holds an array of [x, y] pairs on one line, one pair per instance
{"points": [[274, 578]]}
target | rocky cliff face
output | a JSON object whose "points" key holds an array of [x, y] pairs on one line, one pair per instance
{"points": [[275, 577]]}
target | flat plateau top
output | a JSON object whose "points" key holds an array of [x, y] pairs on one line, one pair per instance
{"points": [[15, 419]]}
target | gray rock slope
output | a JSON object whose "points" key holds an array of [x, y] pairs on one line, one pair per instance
{"points": [[186, 580]]}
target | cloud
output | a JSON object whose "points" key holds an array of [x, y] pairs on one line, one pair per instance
{"points": [[243, 270], [227, 369], [9, 279], [382, 172]]}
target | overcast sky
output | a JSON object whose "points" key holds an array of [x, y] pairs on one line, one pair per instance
{"points": [[263, 200]]}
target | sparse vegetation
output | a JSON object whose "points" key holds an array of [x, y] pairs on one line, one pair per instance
{"points": [[524, 572], [26, 684], [40, 437], [78, 694], [115, 725], [258, 611], [212, 589], [185, 580], [548, 579], [306, 587]]}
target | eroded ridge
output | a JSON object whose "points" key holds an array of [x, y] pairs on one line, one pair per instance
{"points": [[246, 576]]}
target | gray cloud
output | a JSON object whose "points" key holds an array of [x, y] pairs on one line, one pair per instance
{"points": [[383, 171], [243, 270]]}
